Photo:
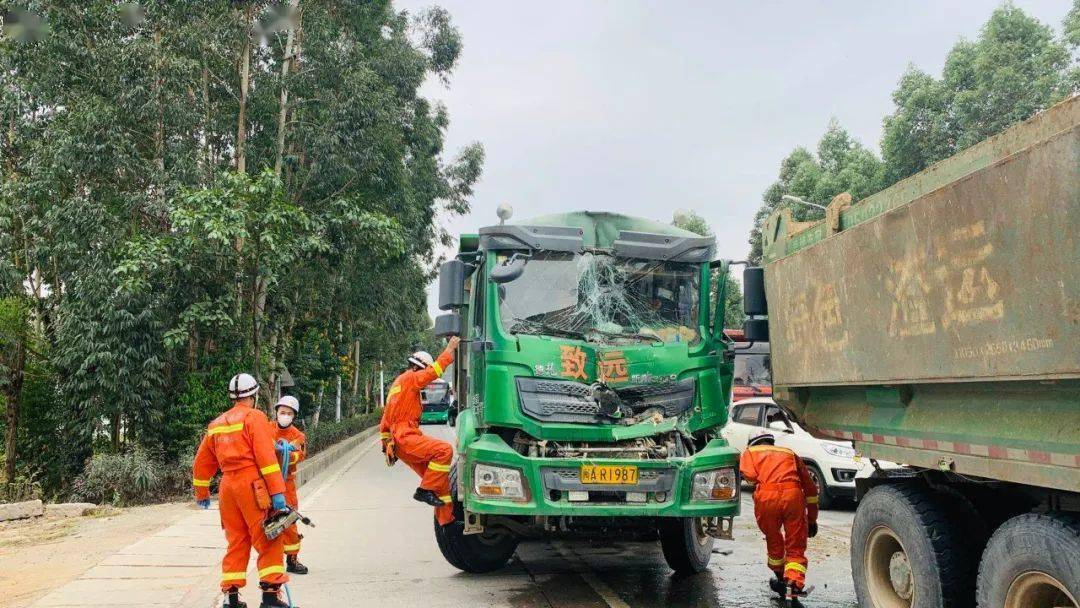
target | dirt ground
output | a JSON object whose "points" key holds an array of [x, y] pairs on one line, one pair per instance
{"points": [[38, 555]]}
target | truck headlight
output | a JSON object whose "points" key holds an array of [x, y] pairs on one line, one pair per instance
{"points": [[716, 484], [498, 482], [840, 451]]}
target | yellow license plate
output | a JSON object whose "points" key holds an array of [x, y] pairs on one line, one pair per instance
{"points": [[608, 474]]}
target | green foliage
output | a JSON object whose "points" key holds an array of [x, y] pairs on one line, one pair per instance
{"points": [[841, 165], [328, 433], [174, 231], [1014, 69]]}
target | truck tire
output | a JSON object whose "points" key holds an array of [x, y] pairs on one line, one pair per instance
{"points": [[687, 548], [473, 553], [912, 548], [1032, 561], [825, 499]]}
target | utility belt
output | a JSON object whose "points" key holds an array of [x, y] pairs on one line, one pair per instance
{"points": [[778, 487]]}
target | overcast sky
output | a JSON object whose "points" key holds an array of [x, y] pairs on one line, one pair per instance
{"points": [[648, 107]]}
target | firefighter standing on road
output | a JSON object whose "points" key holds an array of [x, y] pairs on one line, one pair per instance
{"points": [[401, 436], [240, 443], [784, 497], [288, 408]]}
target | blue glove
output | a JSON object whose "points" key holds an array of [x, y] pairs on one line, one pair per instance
{"points": [[277, 502], [204, 503], [281, 445]]}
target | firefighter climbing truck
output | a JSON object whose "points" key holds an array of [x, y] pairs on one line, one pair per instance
{"points": [[937, 324], [593, 378]]}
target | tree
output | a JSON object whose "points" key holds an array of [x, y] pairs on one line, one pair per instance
{"points": [[733, 309], [841, 165], [1014, 69]]}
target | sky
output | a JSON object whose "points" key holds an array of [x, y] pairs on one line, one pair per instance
{"points": [[645, 108]]}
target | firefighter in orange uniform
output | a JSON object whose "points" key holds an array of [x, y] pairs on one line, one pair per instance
{"points": [[288, 408], [401, 436], [785, 497], [240, 443]]}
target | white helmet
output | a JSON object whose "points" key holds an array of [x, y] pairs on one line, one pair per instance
{"points": [[760, 438], [242, 385], [421, 359], [290, 402]]}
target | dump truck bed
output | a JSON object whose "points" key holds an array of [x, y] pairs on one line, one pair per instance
{"points": [[943, 311]]}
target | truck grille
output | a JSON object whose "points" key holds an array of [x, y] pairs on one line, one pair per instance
{"points": [[565, 401]]}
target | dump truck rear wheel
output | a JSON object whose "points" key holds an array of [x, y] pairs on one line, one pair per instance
{"points": [[1032, 561], [687, 548], [909, 549], [474, 553]]}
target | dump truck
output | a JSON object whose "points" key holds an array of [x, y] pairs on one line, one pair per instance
{"points": [[593, 378], [937, 324]]}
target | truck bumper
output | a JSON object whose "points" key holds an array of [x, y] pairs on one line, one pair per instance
{"points": [[433, 417], [665, 482]]}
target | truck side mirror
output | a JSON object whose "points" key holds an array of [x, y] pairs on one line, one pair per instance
{"points": [[509, 270], [754, 302], [451, 285], [448, 324], [756, 330]]}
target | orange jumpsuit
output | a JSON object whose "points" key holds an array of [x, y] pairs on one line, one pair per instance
{"points": [[296, 437], [429, 457], [240, 443], [785, 497]]}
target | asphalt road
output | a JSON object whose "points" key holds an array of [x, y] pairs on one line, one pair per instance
{"points": [[374, 546]]}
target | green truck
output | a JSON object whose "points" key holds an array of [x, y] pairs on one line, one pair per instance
{"points": [[937, 324], [593, 378]]}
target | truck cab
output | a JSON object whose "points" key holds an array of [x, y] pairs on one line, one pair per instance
{"points": [[593, 378]]}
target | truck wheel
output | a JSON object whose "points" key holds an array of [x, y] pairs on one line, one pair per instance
{"points": [[474, 553], [825, 499], [1032, 561], [910, 548], [687, 548]]}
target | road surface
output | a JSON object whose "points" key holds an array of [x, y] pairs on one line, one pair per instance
{"points": [[374, 547]]}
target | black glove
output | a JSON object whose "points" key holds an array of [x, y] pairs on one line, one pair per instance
{"points": [[813, 529]]}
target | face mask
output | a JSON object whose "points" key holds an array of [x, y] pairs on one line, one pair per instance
{"points": [[284, 420]]}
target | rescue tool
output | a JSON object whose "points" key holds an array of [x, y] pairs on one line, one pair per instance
{"points": [[281, 520]]}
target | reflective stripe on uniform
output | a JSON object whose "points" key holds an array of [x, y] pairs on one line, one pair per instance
{"points": [[226, 428], [295, 547], [445, 499], [811, 500], [273, 468], [393, 391], [795, 566], [384, 435], [769, 448], [234, 576], [776, 562], [442, 468], [267, 571], [200, 483], [438, 368]]}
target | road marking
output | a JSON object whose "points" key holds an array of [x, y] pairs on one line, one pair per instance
{"points": [[338, 475], [588, 575]]}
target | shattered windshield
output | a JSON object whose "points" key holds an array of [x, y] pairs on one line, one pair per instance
{"points": [[599, 297]]}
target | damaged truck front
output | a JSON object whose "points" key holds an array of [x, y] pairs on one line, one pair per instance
{"points": [[593, 377]]}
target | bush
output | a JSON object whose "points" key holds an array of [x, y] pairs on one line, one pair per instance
{"points": [[328, 432], [129, 479]]}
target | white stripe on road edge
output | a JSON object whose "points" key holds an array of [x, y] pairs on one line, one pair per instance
{"points": [[587, 574], [332, 480]]}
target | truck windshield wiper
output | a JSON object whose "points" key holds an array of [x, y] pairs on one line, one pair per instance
{"points": [[547, 328]]}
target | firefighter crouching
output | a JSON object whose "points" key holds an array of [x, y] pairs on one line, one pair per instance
{"points": [[785, 506], [240, 443]]}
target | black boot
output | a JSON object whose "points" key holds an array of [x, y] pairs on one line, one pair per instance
{"points": [[271, 597], [292, 564], [778, 585], [428, 497], [232, 599]]}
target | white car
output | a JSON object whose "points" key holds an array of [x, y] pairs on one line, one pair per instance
{"points": [[832, 462]]}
